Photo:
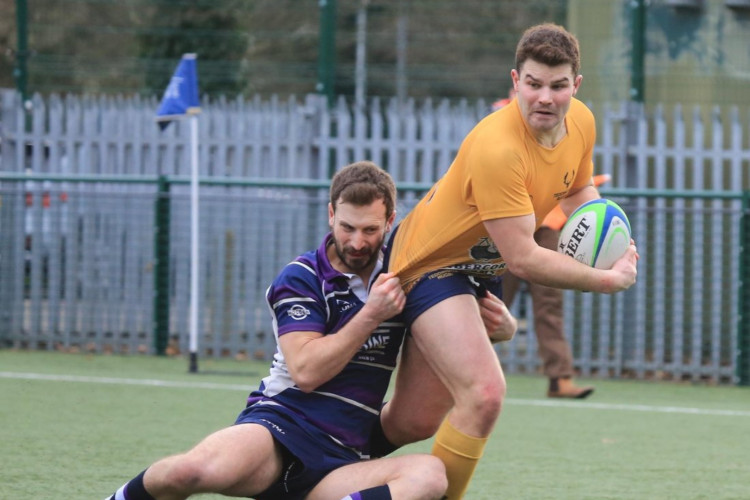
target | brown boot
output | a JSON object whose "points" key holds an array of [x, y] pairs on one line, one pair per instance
{"points": [[564, 387]]}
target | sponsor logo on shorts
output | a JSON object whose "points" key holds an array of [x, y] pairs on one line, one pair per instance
{"points": [[438, 275], [287, 475], [298, 312], [274, 426]]}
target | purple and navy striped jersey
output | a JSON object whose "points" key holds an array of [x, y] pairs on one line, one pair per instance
{"points": [[310, 295]]}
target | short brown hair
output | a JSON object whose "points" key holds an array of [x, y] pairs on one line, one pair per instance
{"points": [[361, 183], [548, 44]]}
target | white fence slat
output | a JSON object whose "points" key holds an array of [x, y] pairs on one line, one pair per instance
{"points": [[681, 219], [696, 267], [716, 251]]}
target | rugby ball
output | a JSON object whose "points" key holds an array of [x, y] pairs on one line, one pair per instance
{"points": [[597, 234]]}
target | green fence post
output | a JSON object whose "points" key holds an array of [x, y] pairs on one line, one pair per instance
{"points": [[327, 50], [638, 42], [20, 71], [743, 325], [161, 267]]}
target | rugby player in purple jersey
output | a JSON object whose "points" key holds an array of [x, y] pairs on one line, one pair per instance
{"points": [[304, 431]]}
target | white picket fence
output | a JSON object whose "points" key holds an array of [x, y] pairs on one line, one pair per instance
{"points": [[78, 181]]}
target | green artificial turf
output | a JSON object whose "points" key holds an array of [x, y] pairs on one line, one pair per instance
{"points": [[79, 426]]}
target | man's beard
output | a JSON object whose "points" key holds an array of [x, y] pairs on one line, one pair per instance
{"points": [[361, 261]]}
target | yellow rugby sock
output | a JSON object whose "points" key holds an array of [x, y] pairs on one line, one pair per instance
{"points": [[460, 454]]}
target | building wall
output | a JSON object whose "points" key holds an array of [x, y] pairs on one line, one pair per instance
{"points": [[693, 55]]}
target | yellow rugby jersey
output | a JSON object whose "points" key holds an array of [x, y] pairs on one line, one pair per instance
{"points": [[500, 171]]}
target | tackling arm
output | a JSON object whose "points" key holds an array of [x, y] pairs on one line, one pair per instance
{"points": [[314, 358]]}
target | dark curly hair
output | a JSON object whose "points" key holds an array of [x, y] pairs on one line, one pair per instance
{"points": [[361, 183], [548, 44]]}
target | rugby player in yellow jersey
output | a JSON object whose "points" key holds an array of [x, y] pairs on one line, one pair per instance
{"points": [[477, 221]]}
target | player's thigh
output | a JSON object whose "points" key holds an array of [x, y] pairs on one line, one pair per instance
{"points": [[452, 338], [408, 475], [416, 378], [241, 459], [420, 400]]}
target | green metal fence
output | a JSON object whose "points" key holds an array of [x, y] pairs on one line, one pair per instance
{"points": [[102, 264]]}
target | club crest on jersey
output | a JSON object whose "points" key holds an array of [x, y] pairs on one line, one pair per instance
{"points": [[568, 178], [298, 312], [485, 249]]}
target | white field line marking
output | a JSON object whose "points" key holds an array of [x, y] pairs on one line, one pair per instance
{"points": [[628, 407], [513, 401], [125, 381]]}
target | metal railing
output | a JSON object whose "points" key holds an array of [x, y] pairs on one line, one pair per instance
{"points": [[102, 264]]}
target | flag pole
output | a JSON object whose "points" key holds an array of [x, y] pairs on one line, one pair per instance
{"points": [[181, 100], [194, 253]]}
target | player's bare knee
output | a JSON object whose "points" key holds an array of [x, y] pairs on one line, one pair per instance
{"points": [[424, 427], [416, 426], [428, 476], [438, 480], [186, 474], [487, 399]]}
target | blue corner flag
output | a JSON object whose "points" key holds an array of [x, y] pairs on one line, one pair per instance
{"points": [[181, 97]]}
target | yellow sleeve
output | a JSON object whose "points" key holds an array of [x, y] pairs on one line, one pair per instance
{"points": [[497, 181]]}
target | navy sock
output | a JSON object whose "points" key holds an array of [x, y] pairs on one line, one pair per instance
{"points": [[379, 444], [133, 490], [376, 493]]}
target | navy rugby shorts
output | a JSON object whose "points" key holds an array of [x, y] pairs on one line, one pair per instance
{"points": [[309, 454], [436, 286]]}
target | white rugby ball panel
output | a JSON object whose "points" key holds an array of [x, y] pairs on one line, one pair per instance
{"points": [[596, 234]]}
